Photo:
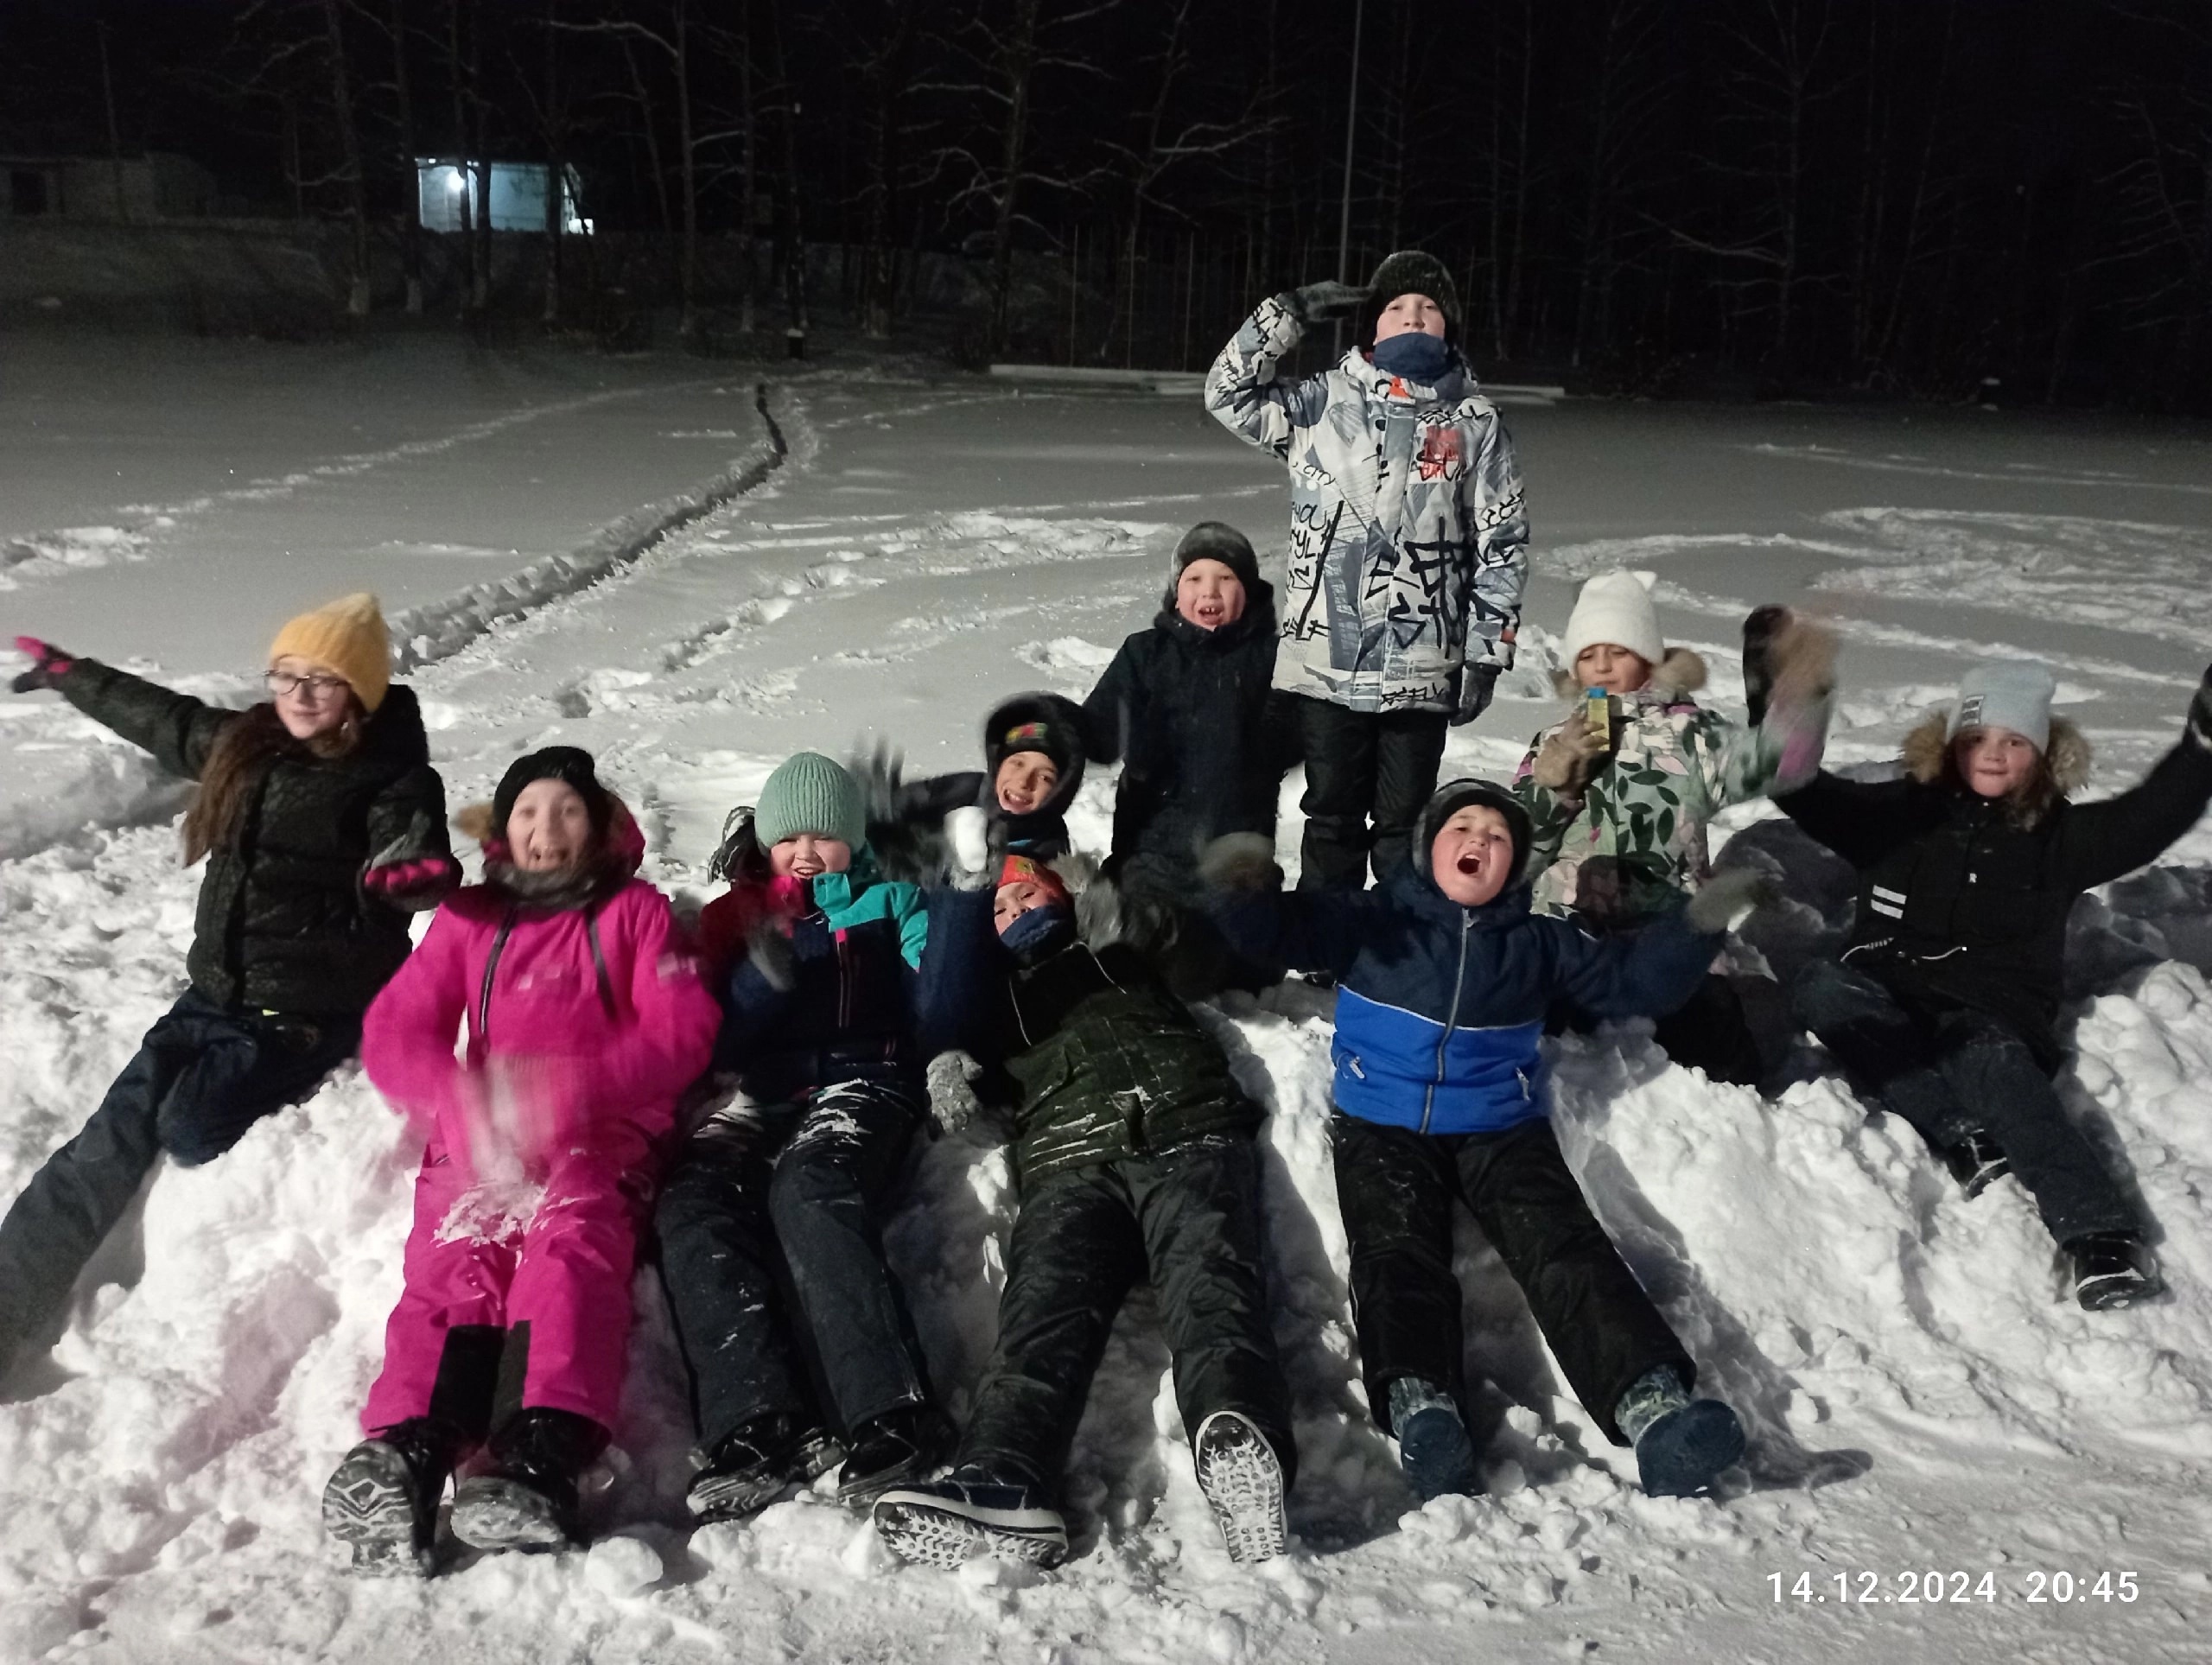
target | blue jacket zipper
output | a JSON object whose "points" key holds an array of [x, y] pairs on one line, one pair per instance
{"points": [[1450, 1018]]}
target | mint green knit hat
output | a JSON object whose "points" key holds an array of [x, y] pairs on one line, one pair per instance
{"points": [[810, 793]]}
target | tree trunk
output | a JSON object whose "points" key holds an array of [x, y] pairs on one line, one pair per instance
{"points": [[792, 216], [410, 219], [748, 190], [349, 140], [886, 80], [1018, 56], [457, 64], [687, 326]]}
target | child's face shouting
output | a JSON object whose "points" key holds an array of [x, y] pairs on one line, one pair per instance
{"points": [[1994, 762], [549, 829], [1616, 669], [1472, 855], [1024, 782], [1209, 595], [804, 855]]}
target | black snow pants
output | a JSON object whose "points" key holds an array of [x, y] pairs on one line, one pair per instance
{"points": [[1396, 1187], [202, 1076], [1957, 1072], [771, 1252], [1361, 765], [1189, 1219]]}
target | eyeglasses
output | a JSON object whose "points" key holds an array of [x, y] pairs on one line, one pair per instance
{"points": [[314, 688]]}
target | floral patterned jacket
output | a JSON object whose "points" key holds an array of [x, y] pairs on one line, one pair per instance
{"points": [[1632, 844]]}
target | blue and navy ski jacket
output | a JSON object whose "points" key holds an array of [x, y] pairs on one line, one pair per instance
{"points": [[1441, 1007]]}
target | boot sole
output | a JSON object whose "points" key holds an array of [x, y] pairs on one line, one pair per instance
{"points": [[1688, 1448], [370, 1505], [930, 1532], [1438, 1457], [863, 1492], [490, 1513], [2111, 1295], [1242, 1479], [732, 1499]]}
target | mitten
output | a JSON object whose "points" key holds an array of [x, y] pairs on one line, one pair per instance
{"points": [[48, 664], [412, 886], [951, 1077], [1564, 760], [1240, 861], [1326, 302], [1478, 683], [770, 951], [1760, 629], [877, 774], [1727, 899]]}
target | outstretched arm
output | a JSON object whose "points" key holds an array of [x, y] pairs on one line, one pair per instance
{"points": [[1243, 390], [2097, 842], [179, 730]]}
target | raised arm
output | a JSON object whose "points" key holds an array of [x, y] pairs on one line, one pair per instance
{"points": [[179, 730], [2097, 842], [1243, 390], [1648, 973]]}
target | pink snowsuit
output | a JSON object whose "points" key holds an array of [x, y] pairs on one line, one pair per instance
{"points": [[583, 1026]]}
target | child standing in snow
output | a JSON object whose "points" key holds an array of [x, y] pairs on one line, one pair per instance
{"points": [[1408, 548], [1189, 710], [771, 1226], [1134, 1148], [1032, 758], [323, 825], [583, 1019], [1944, 1007], [1620, 813], [1443, 979]]}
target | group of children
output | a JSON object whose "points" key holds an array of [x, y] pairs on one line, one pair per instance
{"points": [[737, 1098]]}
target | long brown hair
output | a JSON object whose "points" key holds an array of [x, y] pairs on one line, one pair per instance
{"points": [[241, 755]]}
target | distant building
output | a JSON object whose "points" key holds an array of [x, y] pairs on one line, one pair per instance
{"points": [[156, 186], [518, 195]]}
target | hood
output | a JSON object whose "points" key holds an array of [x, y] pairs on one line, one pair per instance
{"points": [[1062, 714], [1258, 618], [1447, 801], [1678, 674], [621, 853], [1927, 757]]}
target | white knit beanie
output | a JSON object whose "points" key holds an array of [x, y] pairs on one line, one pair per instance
{"points": [[2007, 696], [1614, 607]]}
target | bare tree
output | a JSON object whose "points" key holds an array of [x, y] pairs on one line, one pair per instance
{"points": [[349, 139]]}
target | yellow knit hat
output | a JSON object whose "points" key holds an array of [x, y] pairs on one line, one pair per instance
{"points": [[349, 636]]}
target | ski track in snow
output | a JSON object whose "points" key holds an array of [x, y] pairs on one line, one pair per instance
{"points": [[1917, 1393]]}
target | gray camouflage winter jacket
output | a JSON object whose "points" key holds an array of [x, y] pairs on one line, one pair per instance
{"points": [[1408, 545]]}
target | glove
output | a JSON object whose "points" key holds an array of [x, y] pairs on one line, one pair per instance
{"points": [[1785, 654], [1240, 861], [1565, 760], [1728, 900], [951, 1078], [1760, 629], [1478, 683], [412, 886], [48, 665], [1326, 302], [877, 776], [770, 951], [2200, 712]]}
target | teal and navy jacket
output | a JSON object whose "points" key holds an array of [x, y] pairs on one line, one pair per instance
{"points": [[1440, 1008], [844, 1009]]}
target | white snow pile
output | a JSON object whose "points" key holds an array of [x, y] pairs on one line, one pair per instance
{"points": [[1922, 1398]]}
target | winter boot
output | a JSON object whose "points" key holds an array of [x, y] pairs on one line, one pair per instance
{"points": [[1976, 1161], [384, 1498], [971, 1512], [754, 1463], [527, 1500], [1242, 1479], [895, 1449], [2114, 1268], [1433, 1445], [1682, 1444]]}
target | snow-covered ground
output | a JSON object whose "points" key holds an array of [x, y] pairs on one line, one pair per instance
{"points": [[880, 550]]}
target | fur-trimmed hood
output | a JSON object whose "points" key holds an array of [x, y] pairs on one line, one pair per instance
{"points": [[1927, 758], [1678, 676], [622, 851]]}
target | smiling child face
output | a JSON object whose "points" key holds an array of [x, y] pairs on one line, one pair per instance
{"points": [[1472, 856], [1209, 595]]}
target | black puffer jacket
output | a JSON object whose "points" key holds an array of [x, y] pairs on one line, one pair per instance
{"points": [[1099, 1059], [1203, 740], [282, 924], [1963, 899]]}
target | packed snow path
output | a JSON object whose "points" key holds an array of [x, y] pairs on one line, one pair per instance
{"points": [[1921, 1397]]}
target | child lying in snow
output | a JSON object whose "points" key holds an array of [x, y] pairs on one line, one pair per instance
{"points": [[1620, 813], [1134, 1149], [815, 958], [1188, 710], [584, 1020], [323, 825], [1944, 1007], [1444, 977], [1032, 756]]}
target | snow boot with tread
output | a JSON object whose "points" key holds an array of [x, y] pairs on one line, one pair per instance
{"points": [[1242, 1479]]}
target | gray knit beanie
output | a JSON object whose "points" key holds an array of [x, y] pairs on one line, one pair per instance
{"points": [[2006, 695], [810, 793]]}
